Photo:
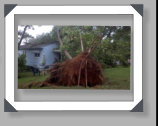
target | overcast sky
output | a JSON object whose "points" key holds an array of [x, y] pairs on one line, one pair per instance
{"points": [[38, 30]]}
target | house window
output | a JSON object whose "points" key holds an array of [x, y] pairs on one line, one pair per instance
{"points": [[37, 54]]}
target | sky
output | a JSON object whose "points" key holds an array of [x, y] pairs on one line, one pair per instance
{"points": [[38, 30]]}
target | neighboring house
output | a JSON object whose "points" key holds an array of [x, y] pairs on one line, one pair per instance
{"points": [[41, 55]]}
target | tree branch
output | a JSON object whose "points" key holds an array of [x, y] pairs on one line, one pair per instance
{"points": [[23, 34], [93, 46], [61, 44], [82, 46]]}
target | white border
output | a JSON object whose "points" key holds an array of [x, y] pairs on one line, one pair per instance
{"points": [[9, 37]]}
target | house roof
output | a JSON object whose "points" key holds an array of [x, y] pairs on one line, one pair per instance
{"points": [[33, 47]]}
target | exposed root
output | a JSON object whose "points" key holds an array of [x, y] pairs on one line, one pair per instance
{"points": [[81, 70]]}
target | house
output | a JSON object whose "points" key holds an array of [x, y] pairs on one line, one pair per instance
{"points": [[41, 55]]}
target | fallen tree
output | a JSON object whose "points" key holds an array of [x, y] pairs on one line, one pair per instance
{"points": [[82, 70]]}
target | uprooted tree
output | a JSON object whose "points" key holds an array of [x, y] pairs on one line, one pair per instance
{"points": [[79, 44], [82, 70]]}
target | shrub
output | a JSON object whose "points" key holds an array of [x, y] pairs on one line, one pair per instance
{"points": [[21, 63]]}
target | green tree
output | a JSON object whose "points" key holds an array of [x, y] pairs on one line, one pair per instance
{"points": [[74, 36], [106, 52], [41, 39]]}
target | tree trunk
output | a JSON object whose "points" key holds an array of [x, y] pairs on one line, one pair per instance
{"points": [[82, 46], [61, 44], [19, 43]]}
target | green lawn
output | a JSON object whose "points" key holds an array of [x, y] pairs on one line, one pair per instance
{"points": [[115, 78], [27, 77]]}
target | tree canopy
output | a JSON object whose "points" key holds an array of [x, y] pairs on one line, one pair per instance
{"points": [[114, 46]]}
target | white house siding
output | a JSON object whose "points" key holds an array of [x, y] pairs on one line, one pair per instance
{"points": [[47, 50], [49, 55], [31, 60]]}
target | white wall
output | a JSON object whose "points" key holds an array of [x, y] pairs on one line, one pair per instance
{"points": [[49, 55], [31, 60], [47, 50]]}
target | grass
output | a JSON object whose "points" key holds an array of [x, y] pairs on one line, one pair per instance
{"points": [[115, 78], [27, 77]]}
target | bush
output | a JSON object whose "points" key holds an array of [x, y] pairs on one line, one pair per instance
{"points": [[21, 63]]}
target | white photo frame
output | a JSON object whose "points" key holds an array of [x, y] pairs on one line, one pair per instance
{"points": [[135, 105]]}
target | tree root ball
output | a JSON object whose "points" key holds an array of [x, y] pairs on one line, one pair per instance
{"points": [[81, 70]]}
